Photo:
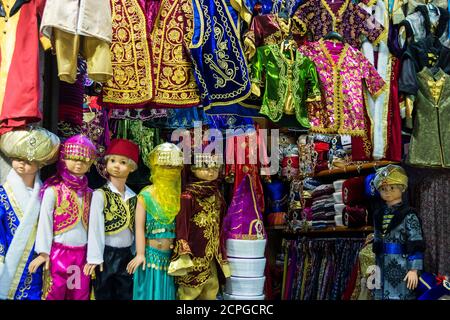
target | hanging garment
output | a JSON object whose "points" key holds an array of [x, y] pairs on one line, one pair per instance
{"points": [[220, 67], [428, 52], [349, 19], [199, 242], [80, 26], [430, 140], [19, 63], [246, 154], [174, 81], [19, 213], [271, 29], [342, 70], [290, 82], [399, 248], [378, 108], [426, 20], [412, 4], [132, 83]]}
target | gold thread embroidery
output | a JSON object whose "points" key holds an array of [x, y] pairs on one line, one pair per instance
{"points": [[75, 214], [173, 73], [132, 80], [119, 215], [22, 292]]}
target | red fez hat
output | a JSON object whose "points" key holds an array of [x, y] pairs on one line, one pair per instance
{"points": [[123, 147]]}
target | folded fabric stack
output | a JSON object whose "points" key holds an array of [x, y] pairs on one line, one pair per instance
{"points": [[323, 206], [355, 213], [338, 205]]}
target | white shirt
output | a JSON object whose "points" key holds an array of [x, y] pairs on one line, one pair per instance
{"points": [[96, 236], [77, 236]]}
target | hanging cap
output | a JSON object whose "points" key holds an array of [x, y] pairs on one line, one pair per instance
{"points": [[33, 144], [123, 147]]}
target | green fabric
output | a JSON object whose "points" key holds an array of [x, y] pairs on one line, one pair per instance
{"points": [[280, 74], [152, 224], [154, 283], [430, 140]]}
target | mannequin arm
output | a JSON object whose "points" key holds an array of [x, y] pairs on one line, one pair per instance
{"points": [[140, 238]]}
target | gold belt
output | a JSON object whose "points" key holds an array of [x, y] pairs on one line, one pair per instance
{"points": [[158, 243]]}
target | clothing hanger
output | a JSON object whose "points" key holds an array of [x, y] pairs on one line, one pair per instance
{"points": [[333, 35]]}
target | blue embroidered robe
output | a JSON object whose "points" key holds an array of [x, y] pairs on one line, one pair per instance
{"points": [[24, 285]]}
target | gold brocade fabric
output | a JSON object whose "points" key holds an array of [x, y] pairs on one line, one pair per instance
{"points": [[366, 260], [132, 82], [173, 73], [119, 215]]}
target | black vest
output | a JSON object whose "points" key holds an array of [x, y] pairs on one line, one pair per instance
{"points": [[119, 214]]}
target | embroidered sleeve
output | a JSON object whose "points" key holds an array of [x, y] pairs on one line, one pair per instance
{"points": [[304, 14], [415, 246], [312, 81], [374, 82], [258, 63]]}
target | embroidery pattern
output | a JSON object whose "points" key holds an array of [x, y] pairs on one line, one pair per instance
{"points": [[132, 80], [118, 215], [174, 77]]}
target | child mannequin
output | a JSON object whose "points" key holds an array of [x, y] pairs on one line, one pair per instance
{"points": [[398, 242], [111, 225], [200, 249], [157, 207], [63, 221], [29, 150]]}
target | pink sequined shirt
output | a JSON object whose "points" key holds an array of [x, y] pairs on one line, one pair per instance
{"points": [[343, 70]]}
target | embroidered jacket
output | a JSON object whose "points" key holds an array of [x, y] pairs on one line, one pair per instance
{"points": [[290, 82], [199, 235], [342, 70]]}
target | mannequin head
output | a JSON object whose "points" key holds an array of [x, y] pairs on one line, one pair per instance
{"points": [[391, 193], [24, 167], [391, 182], [118, 166], [206, 174], [77, 167]]}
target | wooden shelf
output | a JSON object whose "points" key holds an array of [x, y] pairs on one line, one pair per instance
{"points": [[367, 229], [276, 228], [354, 168]]}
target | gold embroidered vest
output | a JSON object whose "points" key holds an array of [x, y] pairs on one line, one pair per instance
{"points": [[119, 214]]}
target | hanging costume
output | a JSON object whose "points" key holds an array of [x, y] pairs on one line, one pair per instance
{"points": [[110, 237], [350, 20], [131, 85], [430, 140], [63, 224], [199, 253], [19, 212], [173, 76], [341, 69], [290, 83], [19, 63], [271, 29], [246, 154], [83, 27], [161, 201], [398, 242], [220, 67]]}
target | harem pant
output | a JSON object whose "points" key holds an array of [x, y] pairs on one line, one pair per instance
{"points": [[66, 279], [95, 51], [114, 282], [206, 291]]}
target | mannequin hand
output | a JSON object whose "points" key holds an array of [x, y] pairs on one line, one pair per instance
{"points": [[412, 279], [89, 269], [135, 263], [36, 263]]}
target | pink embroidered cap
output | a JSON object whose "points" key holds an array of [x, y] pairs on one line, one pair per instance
{"points": [[79, 147]]}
